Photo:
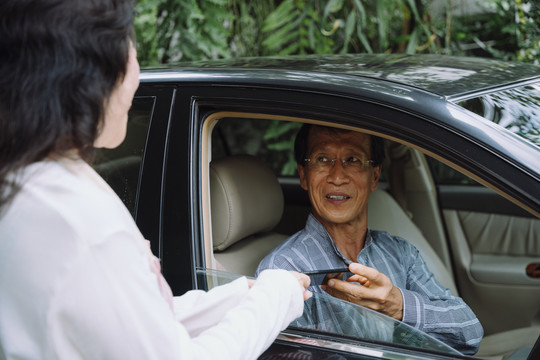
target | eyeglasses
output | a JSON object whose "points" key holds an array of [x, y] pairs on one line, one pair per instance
{"points": [[323, 163]]}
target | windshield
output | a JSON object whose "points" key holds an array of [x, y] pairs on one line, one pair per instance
{"points": [[348, 320], [516, 109]]}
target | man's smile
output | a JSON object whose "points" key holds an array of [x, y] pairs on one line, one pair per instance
{"points": [[337, 196]]}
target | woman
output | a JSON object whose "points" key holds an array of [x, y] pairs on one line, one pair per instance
{"points": [[77, 280]]}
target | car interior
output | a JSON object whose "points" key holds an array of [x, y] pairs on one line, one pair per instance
{"points": [[253, 210], [252, 201]]}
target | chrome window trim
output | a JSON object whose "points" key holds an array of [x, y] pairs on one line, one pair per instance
{"points": [[375, 350]]}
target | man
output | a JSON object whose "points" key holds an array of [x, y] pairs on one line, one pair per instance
{"points": [[339, 169]]}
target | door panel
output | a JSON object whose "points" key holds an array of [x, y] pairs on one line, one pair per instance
{"points": [[493, 242]]}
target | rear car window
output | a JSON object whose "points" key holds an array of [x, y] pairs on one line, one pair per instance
{"points": [[120, 167], [516, 109]]}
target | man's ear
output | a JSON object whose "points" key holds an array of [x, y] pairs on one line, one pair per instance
{"points": [[302, 174], [376, 174]]}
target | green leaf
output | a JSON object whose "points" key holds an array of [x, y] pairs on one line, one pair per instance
{"points": [[382, 22], [361, 9], [413, 42], [332, 6], [363, 39], [284, 13]]}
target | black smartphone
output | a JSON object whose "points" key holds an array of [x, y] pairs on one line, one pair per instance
{"points": [[321, 277]]}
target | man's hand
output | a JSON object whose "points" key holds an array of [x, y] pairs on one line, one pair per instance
{"points": [[376, 292]]}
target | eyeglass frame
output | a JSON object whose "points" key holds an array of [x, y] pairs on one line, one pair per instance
{"points": [[344, 163]]}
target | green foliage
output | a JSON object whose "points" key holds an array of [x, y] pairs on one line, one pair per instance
{"points": [[178, 30], [145, 31], [508, 30], [248, 16], [280, 138], [294, 28], [345, 26], [169, 31]]}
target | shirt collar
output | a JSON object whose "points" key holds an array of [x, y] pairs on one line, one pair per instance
{"points": [[313, 226]]}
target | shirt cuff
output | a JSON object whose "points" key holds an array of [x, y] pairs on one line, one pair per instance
{"points": [[413, 309]]}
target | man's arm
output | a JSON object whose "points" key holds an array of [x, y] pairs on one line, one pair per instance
{"points": [[433, 309], [424, 304]]}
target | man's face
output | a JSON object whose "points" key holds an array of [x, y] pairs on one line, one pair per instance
{"points": [[339, 195]]}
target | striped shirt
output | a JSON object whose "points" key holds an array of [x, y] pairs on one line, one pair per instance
{"points": [[427, 306]]}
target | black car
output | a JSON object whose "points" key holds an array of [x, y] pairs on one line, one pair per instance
{"points": [[207, 171]]}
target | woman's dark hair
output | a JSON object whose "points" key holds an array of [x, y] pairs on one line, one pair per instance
{"points": [[59, 62], [302, 137]]}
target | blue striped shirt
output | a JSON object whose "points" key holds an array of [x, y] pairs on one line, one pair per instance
{"points": [[427, 306]]}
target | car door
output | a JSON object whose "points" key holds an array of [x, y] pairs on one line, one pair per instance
{"points": [[496, 250], [495, 244], [134, 169], [185, 231]]}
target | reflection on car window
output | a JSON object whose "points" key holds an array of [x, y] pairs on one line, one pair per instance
{"points": [[349, 320], [517, 110], [120, 166]]}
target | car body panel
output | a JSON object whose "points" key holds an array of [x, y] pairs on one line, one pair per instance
{"points": [[443, 75]]}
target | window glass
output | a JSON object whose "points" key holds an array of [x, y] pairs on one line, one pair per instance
{"points": [[474, 218], [445, 175], [349, 320], [120, 167], [517, 110], [270, 140]]}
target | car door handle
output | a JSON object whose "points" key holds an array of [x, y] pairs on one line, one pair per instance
{"points": [[533, 270]]}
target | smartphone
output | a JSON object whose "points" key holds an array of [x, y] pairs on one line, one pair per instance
{"points": [[321, 277]]}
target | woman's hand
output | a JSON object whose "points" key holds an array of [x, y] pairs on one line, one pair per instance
{"points": [[304, 281]]}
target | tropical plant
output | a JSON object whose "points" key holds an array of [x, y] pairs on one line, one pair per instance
{"points": [[507, 29], [170, 30], [180, 30], [345, 26]]}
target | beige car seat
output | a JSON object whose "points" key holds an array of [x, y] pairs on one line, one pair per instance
{"points": [[247, 203]]}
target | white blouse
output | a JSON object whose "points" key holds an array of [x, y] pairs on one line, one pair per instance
{"points": [[75, 283]]}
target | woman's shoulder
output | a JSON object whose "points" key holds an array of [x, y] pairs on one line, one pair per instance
{"points": [[69, 196]]}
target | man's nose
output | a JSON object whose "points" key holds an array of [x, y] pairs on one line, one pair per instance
{"points": [[337, 173]]}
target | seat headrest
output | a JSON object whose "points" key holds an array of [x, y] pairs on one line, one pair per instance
{"points": [[246, 199]]}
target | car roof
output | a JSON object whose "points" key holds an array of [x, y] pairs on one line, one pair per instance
{"points": [[447, 76]]}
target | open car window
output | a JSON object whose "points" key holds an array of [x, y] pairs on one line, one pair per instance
{"points": [[476, 242], [121, 166], [349, 321]]}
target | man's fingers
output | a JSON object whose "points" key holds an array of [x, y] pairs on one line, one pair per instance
{"points": [[358, 279], [367, 272], [353, 290]]}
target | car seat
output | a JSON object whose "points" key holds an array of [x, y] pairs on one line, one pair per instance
{"points": [[247, 203]]}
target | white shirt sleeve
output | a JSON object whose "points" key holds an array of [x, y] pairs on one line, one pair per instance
{"points": [[198, 310], [117, 312]]}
